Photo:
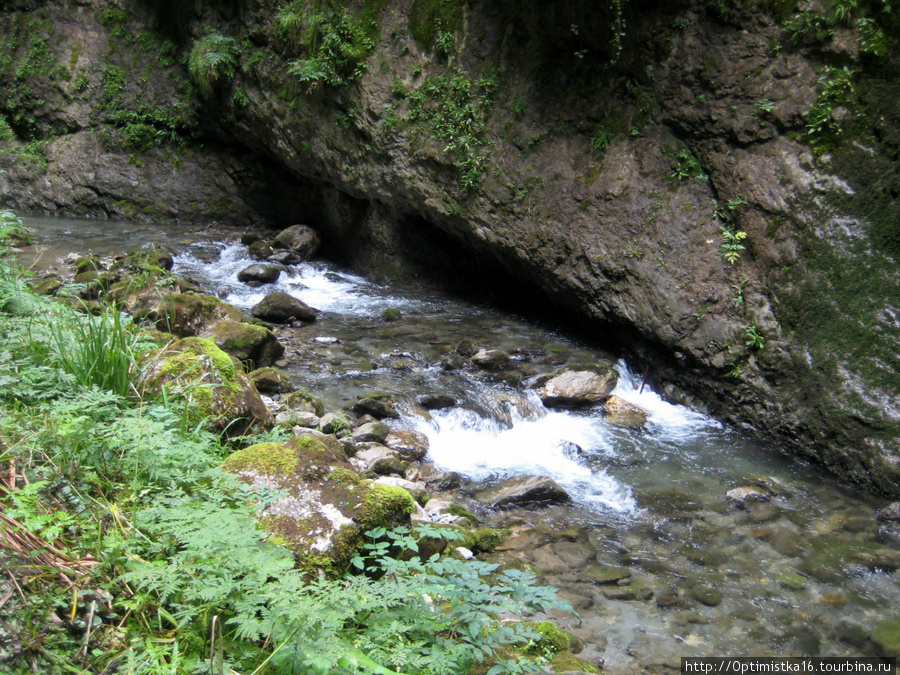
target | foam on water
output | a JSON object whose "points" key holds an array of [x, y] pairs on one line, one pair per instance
{"points": [[319, 286]]}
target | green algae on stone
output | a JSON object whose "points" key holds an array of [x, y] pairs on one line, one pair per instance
{"points": [[567, 662], [271, 458], [222, 398]]}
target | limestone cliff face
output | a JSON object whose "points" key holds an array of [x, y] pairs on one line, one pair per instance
{"points": [[720, 201]]}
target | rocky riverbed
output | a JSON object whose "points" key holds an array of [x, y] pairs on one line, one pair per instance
{"points": [[671, 534]]}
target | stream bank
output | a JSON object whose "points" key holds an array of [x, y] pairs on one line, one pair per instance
{"points": [[653, 553]]}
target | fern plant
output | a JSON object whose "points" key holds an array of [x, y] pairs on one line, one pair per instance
{"points": [[212, 60], [337, 46], [731, 248]]}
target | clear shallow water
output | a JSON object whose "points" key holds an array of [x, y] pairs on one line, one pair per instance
{"points": [[651, 499]]}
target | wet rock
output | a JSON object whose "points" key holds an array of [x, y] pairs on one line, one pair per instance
{"points": [[621, 412], [411, 446], [335, 423], [392, 314], [605, 575], [668, 600], [46, 286], [889, 514], [524, 491], [297, 418], [888, 534], [225, 399], [436, 401], [370, 432], [445, 480], [301, 239], [792, 581], [852, 634], [578, 388], [379, 406], [710, 597], [249, 344], [466, 348], [259, 274], [380, 460], [490, 359], [285, 258], [453, 362], [280, 307], [260, 250], [574, 554], [744, 496], [323, 506], [270, 381], [303, 400], [250, 238]]}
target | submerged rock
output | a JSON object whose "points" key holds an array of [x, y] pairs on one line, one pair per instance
{"points": [[889, 514], [491, 359], [743, 496], [280, 307], [323, 507], [524, 491], [578, 388]]}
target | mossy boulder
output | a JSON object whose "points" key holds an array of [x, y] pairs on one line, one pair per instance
{"points": [[221, 396], [253, 345], [46, 286], [270, 381], [553, 639], [187, 314], [303, 400], [325, 506], [566, 662]]}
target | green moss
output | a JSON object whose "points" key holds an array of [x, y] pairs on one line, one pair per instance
{"points": [[346, 477], [298, 398], [568, 662], [382, 505], [553, 639], [428, 18], [265, 458], [462, 512], [485, 539]]}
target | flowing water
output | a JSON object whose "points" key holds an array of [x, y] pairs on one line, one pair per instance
{"points": [[682, 570]]}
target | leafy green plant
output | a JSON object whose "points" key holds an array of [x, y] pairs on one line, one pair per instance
{"points": [[686, 167], [821, 125], [753, 338], [98, 351], [731, 248], [336, 43], [212, 60]]}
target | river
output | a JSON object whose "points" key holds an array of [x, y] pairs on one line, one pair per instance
{"points": [[692, 573]]}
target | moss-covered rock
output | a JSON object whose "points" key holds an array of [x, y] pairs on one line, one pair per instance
{"points": [[303, 400], [325, 506], [886, 637], [187, 314], [252, 345], [553, 640], [270, 380], [221, 396], [566, 662]]}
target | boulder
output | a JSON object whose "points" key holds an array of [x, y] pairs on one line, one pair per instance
{"points": [[259, 250], [46, 286], [298, 418], [409, 445], [380, 460], [379, 406], [182, 314], [322, 506], [270, 381], [335, 423], [280, 307], [578, 388], [301, 239], [370, 432], [621, 412], [491, 359], [259, 274], [302, 400], [222, 397], [524, 491], [247, 343], [436, 401]]}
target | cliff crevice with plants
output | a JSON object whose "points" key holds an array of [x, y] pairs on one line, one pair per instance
{"points": [[710, 184]]}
